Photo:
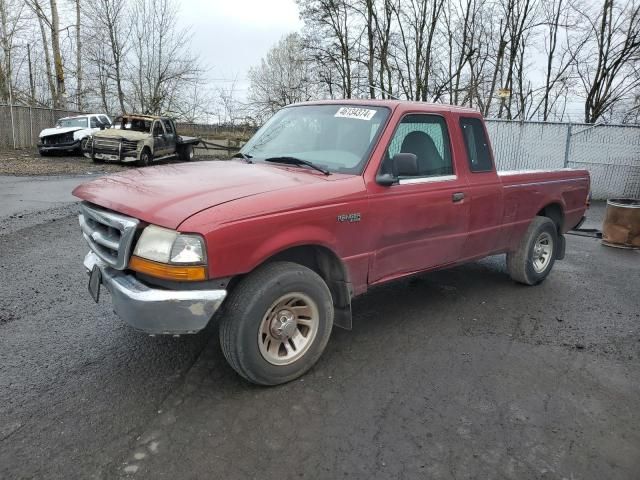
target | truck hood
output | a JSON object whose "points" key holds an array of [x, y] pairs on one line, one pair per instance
{"points": [[118, 133], [57, 131], [167, 195]]}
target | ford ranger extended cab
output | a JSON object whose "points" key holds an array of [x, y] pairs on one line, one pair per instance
{"points": [[327, 199]]}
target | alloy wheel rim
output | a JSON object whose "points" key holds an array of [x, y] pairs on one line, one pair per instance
{"points": [[542, 252], [288, 328]]}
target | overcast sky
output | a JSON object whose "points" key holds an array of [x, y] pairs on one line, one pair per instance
{"points": [[232, 35]]}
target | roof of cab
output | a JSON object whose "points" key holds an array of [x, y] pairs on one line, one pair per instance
{"points": [[140, 116], [393, 104]]}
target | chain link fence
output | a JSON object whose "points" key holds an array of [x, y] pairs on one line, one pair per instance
{"points": [[611, 153]]}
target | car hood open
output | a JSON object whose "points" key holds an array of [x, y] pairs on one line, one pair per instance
{"points": [[167, 195]]}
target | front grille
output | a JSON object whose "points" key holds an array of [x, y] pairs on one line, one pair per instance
{"points": [[58, 139], [129, 146], [109, 235], [106, 144]]}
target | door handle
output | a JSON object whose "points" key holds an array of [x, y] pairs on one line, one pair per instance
{"points": [[457, 197]]}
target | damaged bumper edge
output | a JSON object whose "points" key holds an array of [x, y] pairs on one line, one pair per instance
{"points": [[156, 311], [59, 147]]}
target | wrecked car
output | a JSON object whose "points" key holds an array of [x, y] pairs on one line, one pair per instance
{"points": [[71, 133], [141, 139]]}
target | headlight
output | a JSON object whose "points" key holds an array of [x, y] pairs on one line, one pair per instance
{"points": [[165, 253], [168, 246]]}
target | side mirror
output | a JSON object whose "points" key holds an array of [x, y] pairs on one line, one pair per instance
{"points": [[405, 164], [385, 179]]}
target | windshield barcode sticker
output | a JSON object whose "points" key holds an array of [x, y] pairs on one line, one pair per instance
{"points": [[353, 112]]}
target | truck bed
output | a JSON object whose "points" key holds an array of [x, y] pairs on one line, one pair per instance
{"points": [[526, 190], [181, 140]]}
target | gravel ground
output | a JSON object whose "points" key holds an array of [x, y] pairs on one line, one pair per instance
{"points": [[29, 162]]}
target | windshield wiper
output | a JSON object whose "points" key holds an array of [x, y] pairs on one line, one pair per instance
{"points": [[297, 161], [243, 156]]}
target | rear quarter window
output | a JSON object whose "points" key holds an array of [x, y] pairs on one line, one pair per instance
{"points": [[477, 145]]}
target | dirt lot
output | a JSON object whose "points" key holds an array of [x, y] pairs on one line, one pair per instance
{"points": [[28, 162]]}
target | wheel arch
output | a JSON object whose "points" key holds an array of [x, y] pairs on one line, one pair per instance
{"points": [[326, 263], [145, 147], [555, 212]]}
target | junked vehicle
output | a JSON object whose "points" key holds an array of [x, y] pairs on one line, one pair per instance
{"points": [[71, 133], [141, 139], [326, 200]]}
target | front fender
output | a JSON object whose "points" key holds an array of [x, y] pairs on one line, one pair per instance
{"points": [[252, 246]]}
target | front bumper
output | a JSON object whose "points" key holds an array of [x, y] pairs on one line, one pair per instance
{"points": [[156, 311], [60, 147]]}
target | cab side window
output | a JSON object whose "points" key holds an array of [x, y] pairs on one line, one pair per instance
{"points": [[168, 127], [476, 144], [157, 129], [426, 137], [94, 122]]}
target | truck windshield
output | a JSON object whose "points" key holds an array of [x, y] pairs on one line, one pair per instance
{"points": [[338, 138], [133, 123], [81, 122]]}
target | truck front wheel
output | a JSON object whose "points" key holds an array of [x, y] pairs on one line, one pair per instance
{"points": [[276, 323], [145, 158], [532, 261]]}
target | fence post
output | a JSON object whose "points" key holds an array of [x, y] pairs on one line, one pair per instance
{"points": [[30, 126], [567, 147]]}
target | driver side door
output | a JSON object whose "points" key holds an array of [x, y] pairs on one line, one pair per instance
{"points": [[421, 221], [159, 140]]}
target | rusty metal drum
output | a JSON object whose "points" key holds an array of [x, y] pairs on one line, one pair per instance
{"points": [[621, 227]]}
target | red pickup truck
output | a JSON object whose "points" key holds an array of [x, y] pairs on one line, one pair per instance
{"points": [[327, 199]]}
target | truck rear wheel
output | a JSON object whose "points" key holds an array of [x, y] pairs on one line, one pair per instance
{"points": [[276, 323], [185, 153], [533, 260]]}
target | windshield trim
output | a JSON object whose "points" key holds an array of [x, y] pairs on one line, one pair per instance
{"points": [[366, 157]]}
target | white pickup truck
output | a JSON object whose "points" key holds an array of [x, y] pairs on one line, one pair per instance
{"points": [[71, 133]]}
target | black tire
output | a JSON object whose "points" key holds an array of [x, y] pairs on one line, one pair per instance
{"points": [[145, 158], [97, 160], [525, 264], [185, 153], [246, 309], [83, 146], [44, 153]]}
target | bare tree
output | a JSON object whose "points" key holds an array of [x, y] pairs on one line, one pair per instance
{"points": [[330, 39], [45, 22], [614, 43], [283, 77], [231, 107], [163, 65], [107, 21], [79, 86], [59, 100]]}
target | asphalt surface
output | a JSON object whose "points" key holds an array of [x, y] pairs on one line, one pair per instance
{"points": [[453, 374], [21, 195]]}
